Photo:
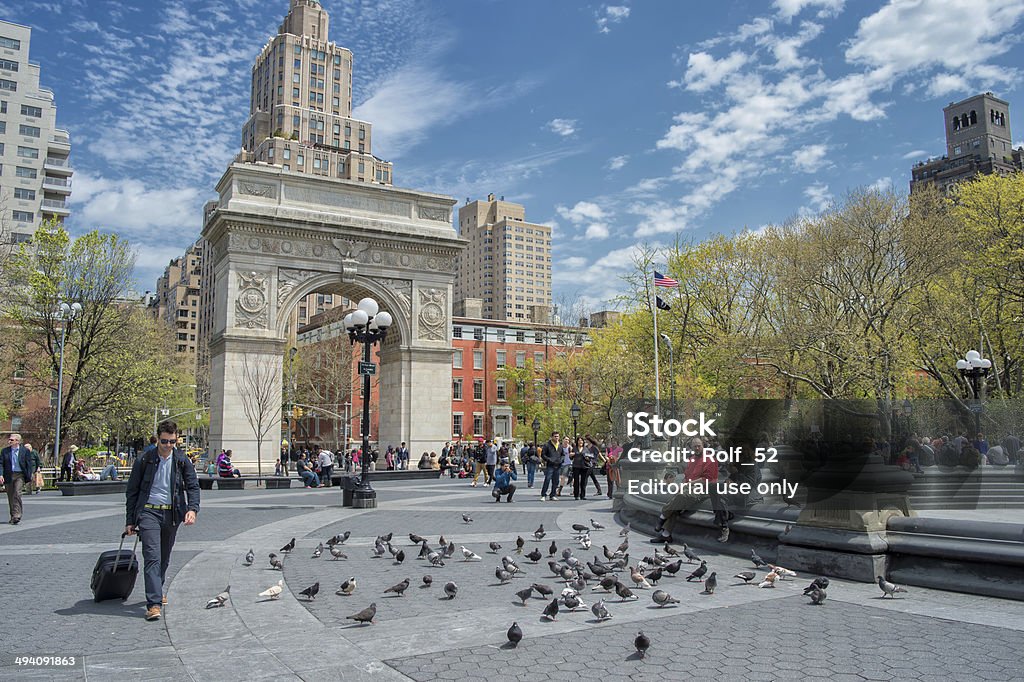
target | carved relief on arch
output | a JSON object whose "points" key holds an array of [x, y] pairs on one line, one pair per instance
{"points": [[402, 289], [288, 279], [433, 317], [252, 303]]}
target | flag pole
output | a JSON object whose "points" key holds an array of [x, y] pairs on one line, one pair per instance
{"points": [[657, 377]]}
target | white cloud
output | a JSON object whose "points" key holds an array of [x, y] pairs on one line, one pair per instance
{"points": [[617, 162], [597, 231], [916, 154], [132, 207], [581, 212], [787, 9], [945, 83], [809, 159], [611, 14], [757, 27], [786, 49], [704, 72], [573, 262], [562, 126], [820, 199], [881, 184]]}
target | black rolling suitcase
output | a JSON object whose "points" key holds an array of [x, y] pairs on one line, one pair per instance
{"points": [[115, 573]]}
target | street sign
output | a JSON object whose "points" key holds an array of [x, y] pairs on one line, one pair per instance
{"points": [[977, 407], [367, 368]]}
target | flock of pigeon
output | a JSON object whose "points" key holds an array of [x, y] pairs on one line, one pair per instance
{"points": [[573, 572]]}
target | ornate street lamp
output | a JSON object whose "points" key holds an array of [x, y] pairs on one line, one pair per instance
{"points": [[575, 412], [973, 367], [536, 428], [368, 325], [66, 313]]}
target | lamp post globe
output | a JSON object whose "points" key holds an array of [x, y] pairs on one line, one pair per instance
{"points": [[536, 428], [367, 325], [973, 367], [575, 412]]}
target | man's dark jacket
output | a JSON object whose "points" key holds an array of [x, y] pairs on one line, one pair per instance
{"points": [[24, 461], [552, 454], [183, 480]]}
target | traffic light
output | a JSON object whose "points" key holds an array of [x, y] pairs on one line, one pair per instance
{"points": [[297, 412]]}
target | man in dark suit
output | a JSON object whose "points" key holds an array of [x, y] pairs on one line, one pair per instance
{"points": [[17, 468], [67, 464], [156, 505]]}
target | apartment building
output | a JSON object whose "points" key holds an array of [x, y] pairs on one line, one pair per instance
{"points": [[300, 110], [507, 263], [179, 299], [35, 174]]}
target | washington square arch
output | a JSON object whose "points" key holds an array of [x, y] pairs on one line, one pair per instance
{"points": [[277, 236]]}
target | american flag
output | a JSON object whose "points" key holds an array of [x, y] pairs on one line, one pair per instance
{"points": [[661, 280]]}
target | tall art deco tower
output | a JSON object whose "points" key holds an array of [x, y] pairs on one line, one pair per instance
{"points": [[300, 110]]}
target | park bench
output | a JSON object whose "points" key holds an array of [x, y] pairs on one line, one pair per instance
{"points": [[72, 488]]}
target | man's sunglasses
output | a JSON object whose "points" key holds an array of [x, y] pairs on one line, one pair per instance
{"points": [[168, 441]]}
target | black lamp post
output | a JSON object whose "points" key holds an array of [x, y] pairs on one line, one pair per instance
{"points": [[973, 367], [536, 428], [575, 412], [367, 326]]}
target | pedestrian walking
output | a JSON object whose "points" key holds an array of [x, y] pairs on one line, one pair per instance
{"points": [[17, 466], [163, 492], [551, 455], [67, 464], [326, 466]]}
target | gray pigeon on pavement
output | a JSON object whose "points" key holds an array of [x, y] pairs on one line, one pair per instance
{"points": [[711, 583], [817, 596], [220, 600], [525, 594], [451, 589], [364, 616], [746, 576], [600, 611], [311, 591], [663, 598], [428, 580], [642, 643], [888, 588], [249, 558], [336, 553], [551, 610], [514, 634], [398, 589]]}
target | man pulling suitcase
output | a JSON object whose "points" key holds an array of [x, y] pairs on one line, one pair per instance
{"points": [[156, 505]]}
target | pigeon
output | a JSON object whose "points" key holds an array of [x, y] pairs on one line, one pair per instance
{"points": [[579, 584], [428, 580], [623, 547], [889, 588], [745, 576], [275, 562], [400, 557], [542, 589], [384, 538], [769, 580], [394, 552], [555, 567], [711, 583], [511, 566], [642, 643], [699, 573], [318, 551], [572, 601], [289, 547], [398, 589], [441, 541], [514, 634], [502, 575], [783, 573], [364, 616], [416, 539], [347, 587], [670, 550], [595, 525], [608, 583], [585, 543], [339, 539], [494, 547], [551, 610], [567, 573], [435, 559], [466, 518], [336, 553], [274, 591], [608, 554], [580, 527], [661, 598], [535, 555], [525, 594], [311, 591], [674, 567], [220, 600], [470, 556], [539, 534], [638, 579], [448, 551], [817, 596], [819, 583], [249, 558], [624, 592], [424, 550], [540, 530], [553, 549], [758, 561], [625, 531], [600, 611], [596, 568], [520, 543], [378, 550], [654, 576], [567, 552], [690, 556], [451, 589]]}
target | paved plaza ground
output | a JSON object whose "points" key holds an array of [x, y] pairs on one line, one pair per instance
{"points": [[739, 633]]}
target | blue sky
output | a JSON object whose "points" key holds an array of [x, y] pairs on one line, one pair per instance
{"points": [[616, 123]]}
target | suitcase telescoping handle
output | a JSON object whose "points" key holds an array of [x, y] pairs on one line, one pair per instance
{"points": [[117, 561]]}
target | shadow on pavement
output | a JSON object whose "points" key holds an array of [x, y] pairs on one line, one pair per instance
{"points": [[111, 607]]}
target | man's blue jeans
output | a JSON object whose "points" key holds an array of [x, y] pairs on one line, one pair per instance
{"points": [[550, 477], [311, 478], [531, 471], [156, 533]]}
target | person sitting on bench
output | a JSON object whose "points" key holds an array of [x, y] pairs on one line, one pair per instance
{"points": [[224, 469]]}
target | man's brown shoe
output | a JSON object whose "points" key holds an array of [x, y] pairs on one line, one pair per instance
{"points": [[163, 600], [153, 613]]}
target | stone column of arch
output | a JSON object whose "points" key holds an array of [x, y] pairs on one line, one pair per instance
{"points": [[277, 236]]}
